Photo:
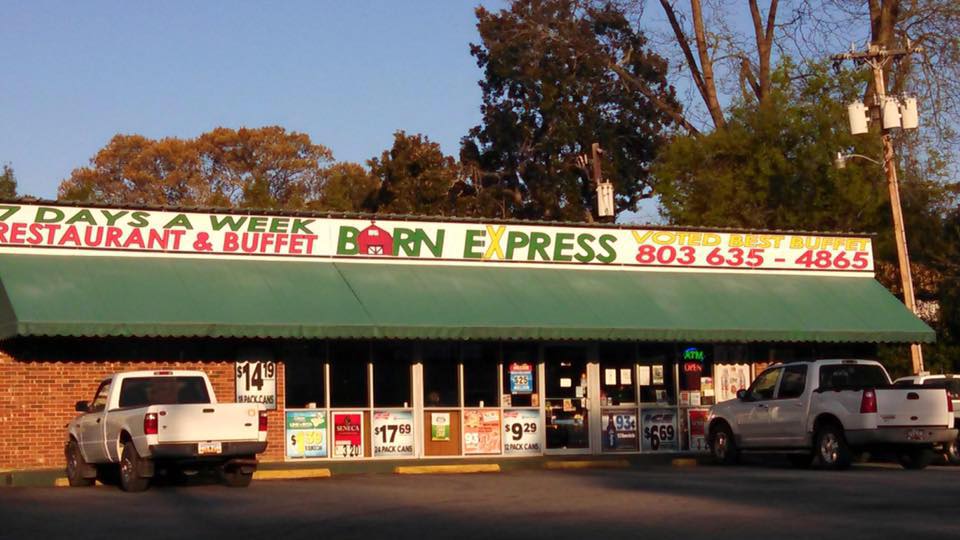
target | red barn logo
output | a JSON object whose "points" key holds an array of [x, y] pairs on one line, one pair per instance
{"points": [[375, 241]]}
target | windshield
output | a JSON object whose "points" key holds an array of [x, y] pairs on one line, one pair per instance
{"points": [[843, 376], [144, 391]]}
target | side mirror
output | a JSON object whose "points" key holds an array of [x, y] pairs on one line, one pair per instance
{"points": [[82, 406], [742, 394]]}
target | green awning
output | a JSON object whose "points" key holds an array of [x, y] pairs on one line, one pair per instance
{"points": [[46, 295]]}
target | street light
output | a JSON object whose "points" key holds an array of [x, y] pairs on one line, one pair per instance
{"points": [[840, 161]]}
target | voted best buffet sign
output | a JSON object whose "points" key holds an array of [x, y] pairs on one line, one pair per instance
{"points": [[77, 230]]}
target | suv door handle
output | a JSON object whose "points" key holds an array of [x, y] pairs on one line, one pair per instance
{"points": [[762, 405]]}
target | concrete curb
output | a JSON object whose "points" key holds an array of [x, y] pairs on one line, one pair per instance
{"points": [[587, 464], [449, 469]]}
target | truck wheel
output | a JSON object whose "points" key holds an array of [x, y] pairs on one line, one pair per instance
{"points": [[953, 451], [832, 452], [130, 479], [76, 466], [236, 477], [915, 458], [723, 446]]}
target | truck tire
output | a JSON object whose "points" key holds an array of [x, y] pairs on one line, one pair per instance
{"points": [[723, 446], [953, 451], [236, 478], [915, 458], [831, 449], [77, 466], [130, 465]]}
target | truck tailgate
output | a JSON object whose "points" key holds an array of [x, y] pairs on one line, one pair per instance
{"points": [[207, 422], [913, 407]]}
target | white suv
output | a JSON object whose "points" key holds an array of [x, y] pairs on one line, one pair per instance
{"points": [[828, 410]]}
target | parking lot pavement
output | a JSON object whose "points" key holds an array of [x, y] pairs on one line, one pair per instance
{"points": [[712, 503]]}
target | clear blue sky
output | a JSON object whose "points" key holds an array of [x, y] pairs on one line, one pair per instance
{"points": [[73, 74], [348, 73]]}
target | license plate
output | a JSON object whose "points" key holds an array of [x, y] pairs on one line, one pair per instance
{"points": [[916, 435], [209, 448]]}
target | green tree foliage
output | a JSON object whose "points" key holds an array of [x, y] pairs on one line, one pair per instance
{"points": [[550, 90], [347, 187], [415, 177], [772, 166], [8, 182], [266, 167]]}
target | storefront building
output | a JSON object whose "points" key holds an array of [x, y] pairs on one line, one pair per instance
{"points": [[405, 338]]}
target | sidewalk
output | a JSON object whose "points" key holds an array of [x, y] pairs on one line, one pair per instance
{"points": [[320, 469]]}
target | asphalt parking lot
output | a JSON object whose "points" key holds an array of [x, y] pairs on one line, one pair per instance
{"points": [[759, 501]]}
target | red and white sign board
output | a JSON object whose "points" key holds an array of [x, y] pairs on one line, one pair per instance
{"points": [[70, 230]]}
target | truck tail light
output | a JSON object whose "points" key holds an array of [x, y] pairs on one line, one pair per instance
{"points": [[868, 404], [949, 402], [263, 421], [150, 426]]}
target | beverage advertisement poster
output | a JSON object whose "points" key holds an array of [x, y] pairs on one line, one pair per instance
{"points": [[521, 432], [439, 426], [728, 378], [521, 378], [481, 431], [347, 435], [393, 434], [306, 433], [620, 431], [697, 420], [660, 433]]}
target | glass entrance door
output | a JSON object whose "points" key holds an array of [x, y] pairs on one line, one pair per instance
{"points": [[566, 402]]}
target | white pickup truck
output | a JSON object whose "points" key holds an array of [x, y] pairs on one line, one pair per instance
{"points": [[145, 420], [826, 411]]}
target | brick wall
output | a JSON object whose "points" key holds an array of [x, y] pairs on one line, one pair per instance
{"points": [[37, 398]]}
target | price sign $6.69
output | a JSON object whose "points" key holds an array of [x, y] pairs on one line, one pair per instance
{"points": [[659, 433]]}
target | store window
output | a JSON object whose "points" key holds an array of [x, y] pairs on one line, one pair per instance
{"points": [[520, 375], [617, 381], [391, 374], [304, 376], [480, 364], [655, 377], [441, 375], [349, 380], [695, 375]]}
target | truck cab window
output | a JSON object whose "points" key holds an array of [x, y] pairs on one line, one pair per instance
{"points": [[764, 386], [99, 402], [793, 382]]}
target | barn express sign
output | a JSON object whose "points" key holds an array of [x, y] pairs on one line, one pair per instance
{"points": [[72, 230]]}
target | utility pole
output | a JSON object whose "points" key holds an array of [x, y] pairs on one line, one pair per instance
{"points": [[605, 200], [877, 57]]}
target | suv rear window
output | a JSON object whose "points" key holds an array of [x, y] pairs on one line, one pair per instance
{"points": [[844, 376], [144, 391]]}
